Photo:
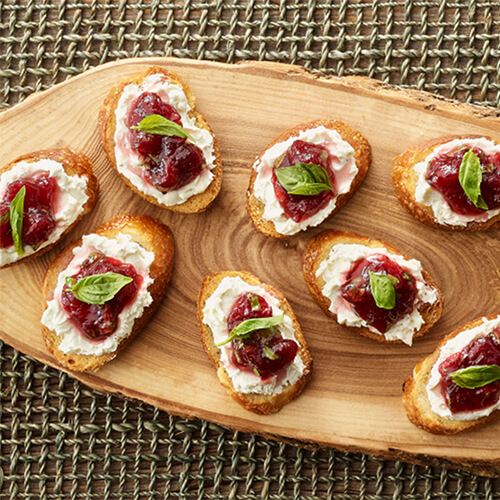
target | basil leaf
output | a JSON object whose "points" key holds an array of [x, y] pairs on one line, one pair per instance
{"points": [[159, 125], [5, 217], [248, 326], [98, 288], [269, 353], [254, 302], [70, 282], [16, 220], [383, 290], [470, 176], [306, 179], [476, 376]]}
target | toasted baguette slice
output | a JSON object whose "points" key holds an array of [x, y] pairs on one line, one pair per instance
{"points": [[73, 164], [318, 249], [151, 235], [405, 180], [257, 403], [362, 158], [107, 127], [416, 401]]}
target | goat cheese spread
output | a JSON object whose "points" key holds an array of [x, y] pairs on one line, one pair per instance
{"points": [[56, 319], [425, 194], [333, 271], [130, 164], [71, 200], [456, 344], [215, 312], [343, 164]]}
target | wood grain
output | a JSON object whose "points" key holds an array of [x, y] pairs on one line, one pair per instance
{"points": [[354, 399]]}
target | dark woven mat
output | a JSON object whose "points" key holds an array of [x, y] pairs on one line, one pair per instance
{"points": [[59, 439]]}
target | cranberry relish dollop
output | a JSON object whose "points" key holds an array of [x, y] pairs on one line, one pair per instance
{"points": [[263, 352], [442, 175], [300, 207], [97, 322], [170, 161], [40, 201], [357, 291], [484, 350]]}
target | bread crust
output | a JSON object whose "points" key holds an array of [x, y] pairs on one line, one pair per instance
{"points": [[151, 235], [107, 127], [404, 179], [362, 157], [415, 400], [257, 403], [318, 249], [73, 163]]}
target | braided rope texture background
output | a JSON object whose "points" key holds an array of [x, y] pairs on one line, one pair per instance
{"points": [[59, 439]]}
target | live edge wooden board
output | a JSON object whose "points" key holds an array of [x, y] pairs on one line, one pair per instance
{"points": [[354, 399]]}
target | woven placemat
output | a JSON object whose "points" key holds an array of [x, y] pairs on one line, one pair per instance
{"points": [[59, 439]]}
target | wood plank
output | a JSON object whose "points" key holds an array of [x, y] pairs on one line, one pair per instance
{"points": [[354, 399]]}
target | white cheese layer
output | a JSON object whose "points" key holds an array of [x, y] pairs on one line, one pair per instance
{"points": [[130, 163], [72, 198], [56, 319], [342, 162], [457, 344], [333, 271], [425, 194], [215, 313]]}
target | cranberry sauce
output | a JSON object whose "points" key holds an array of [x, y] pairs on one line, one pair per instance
{"points": [[39, 207], [179, 163], [264, 352], [442, 175], [300, 207], [147, 104], [171, 161], [482, 351], [357, 291], [98, 322]]}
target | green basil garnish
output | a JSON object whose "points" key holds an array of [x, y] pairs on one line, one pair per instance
{"points": [[159, 125], [254, 302], [98, 288], [269, 353], [16, 220], [306, 179], [476, 376], [470, 176], [248, 326], [383, 290]]}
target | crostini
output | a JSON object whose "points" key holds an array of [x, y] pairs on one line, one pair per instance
{"points": [[457, 387], [305, 176], [101, 291], [451, 182], [43, 195], [160, 146], [371, 287], [254, 340]]}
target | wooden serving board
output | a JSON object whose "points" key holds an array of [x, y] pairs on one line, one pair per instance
{"points": [[354, 399]]}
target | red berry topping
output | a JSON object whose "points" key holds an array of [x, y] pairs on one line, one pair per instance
{"points": [[171, 161], [264, 352], [300, 207], [482, 351], [179, 163], [147, 104], [442, 175], [98, 322], [357, 291], [39, 206], [246, 307], [38, 223]]}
